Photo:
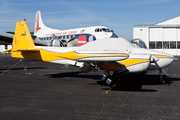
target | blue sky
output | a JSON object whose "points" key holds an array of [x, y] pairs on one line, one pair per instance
{"points": [[118, 15]]}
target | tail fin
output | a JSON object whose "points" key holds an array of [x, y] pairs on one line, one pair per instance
{"points": [[40, 28], [38, 22], [22, 40]]}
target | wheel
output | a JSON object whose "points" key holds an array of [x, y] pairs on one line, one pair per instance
{"points": [[162, 79]]}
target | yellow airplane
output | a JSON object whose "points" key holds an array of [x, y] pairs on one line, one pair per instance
{"points": [[114, 54]]}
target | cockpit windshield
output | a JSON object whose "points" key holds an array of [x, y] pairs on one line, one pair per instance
{"points": [[102, 30]]}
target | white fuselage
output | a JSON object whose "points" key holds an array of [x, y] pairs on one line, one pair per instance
{"points": [[139, 59]]}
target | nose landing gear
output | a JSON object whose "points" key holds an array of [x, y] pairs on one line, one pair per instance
{"points": [[162, 78]]}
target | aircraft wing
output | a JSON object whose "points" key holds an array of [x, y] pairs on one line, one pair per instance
{"points": [[96, 60], [91, 56], [6, 39], [9, 39]]}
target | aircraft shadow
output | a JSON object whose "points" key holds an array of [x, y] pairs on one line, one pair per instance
{"points": [[74, 75], [153, 80], [132, 84]]}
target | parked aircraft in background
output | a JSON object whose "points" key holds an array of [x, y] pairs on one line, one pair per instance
{"points": [[69, 37], [111, 54], [46, 36]]}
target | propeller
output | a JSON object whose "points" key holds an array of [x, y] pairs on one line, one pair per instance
{"points": [[63, 43]]}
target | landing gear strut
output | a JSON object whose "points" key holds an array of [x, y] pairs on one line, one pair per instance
{"points": [[162, 78], [111, 80], [122, 80]]}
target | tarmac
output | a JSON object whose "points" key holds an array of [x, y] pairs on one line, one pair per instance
{"points": [[57, 92]]}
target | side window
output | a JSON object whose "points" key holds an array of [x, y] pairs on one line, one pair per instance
{"points": [[98, 30], [104, 29]]}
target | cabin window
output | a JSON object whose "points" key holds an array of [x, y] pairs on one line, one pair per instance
{"points": [[106, 30]]}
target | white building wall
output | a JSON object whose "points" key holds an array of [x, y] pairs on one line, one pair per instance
{"points": [[156, 34], [9, 47], [166, 35], [142, 33], [169, 34], [2, 49], [178, 34]]}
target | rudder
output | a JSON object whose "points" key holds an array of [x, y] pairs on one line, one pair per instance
{"points": [[22, 39]]}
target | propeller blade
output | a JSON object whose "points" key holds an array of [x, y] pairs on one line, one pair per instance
{"points": [[54, 36], [73, 38]]}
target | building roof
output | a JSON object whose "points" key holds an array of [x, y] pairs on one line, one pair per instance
{"points": [[174, 22]]}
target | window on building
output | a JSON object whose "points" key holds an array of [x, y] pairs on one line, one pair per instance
{"points": [[165, 44], [158, 44], [152, 45], [178, 44], [172, 44]]}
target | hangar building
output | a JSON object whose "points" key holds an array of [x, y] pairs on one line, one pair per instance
{"points": [[163, 36]]}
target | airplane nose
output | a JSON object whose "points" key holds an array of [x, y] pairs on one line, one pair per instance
{"points": [[160, 61], [171, 60], [165, 61]]}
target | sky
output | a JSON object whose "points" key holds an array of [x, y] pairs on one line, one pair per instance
{"points": [[117, 15]]}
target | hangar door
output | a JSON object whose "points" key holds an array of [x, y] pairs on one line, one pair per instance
{"points": [[164, 39]]}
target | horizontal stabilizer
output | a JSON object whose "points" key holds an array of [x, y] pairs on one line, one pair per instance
{"points": [[28, 50], [8, 50]]}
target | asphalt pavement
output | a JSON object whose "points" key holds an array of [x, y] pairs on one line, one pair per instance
{"points": [[57, 92]]}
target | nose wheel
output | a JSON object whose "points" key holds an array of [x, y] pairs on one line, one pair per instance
{"points": [[162, 78]]}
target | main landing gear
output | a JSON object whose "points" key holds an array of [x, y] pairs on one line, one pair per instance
{"points": [[122, 80]]}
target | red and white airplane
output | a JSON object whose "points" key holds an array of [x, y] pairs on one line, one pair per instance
{"points": [[70, 37], [46, 36]]}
